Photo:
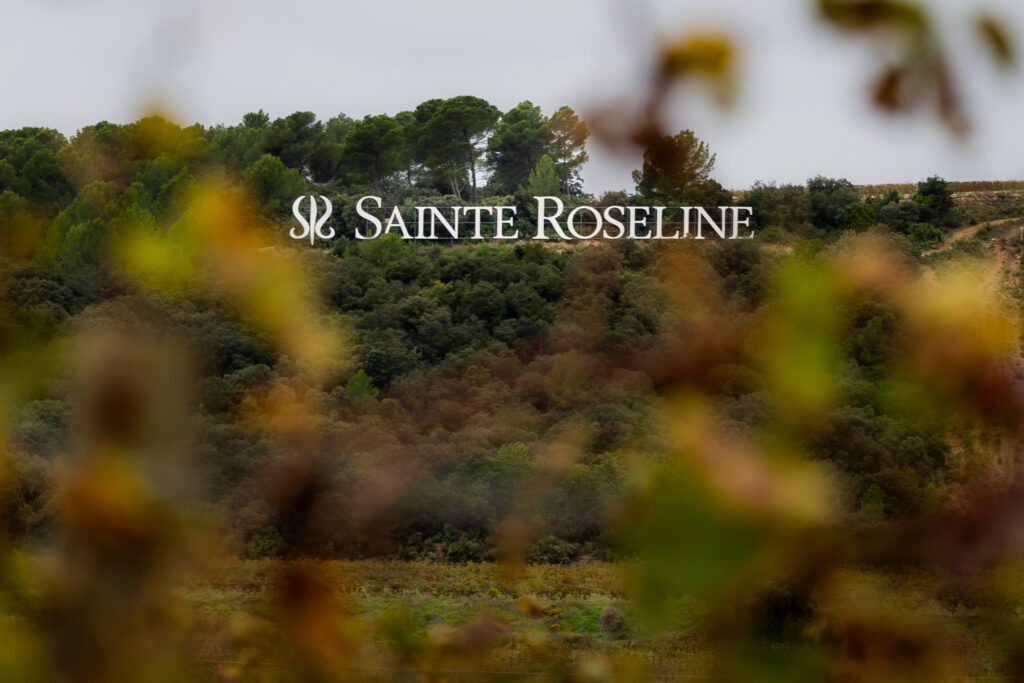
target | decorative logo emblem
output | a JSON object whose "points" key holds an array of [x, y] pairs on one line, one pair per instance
{"points": [[312, 228]]}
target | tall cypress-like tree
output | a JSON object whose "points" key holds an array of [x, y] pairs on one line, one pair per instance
{"points": [[568, 148], [675, 168], [543, 180]]}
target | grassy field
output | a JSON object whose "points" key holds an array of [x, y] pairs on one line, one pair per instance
{"points": [[539, 625], [545, 618]]}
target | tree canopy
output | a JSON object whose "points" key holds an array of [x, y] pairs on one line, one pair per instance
{"points": [[675, 169]]}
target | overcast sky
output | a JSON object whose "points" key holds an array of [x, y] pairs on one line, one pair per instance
{"points": [[803, 107]]}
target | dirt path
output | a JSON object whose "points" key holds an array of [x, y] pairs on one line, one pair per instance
{"points": [[967, 233], [1000, 274]]}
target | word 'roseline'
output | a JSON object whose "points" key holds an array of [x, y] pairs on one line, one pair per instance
{"points": [[554, 222]]}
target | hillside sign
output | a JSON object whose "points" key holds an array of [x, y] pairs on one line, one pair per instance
{"points": [[553, 221]]}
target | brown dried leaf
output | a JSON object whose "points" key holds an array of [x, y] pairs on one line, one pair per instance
{"points": [[889, 92]]}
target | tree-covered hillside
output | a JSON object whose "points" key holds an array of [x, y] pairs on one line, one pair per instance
{"points": [[465, 367]]}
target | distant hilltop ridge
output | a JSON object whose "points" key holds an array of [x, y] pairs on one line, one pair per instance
{"points": [[968, 191], [955, 186]]}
